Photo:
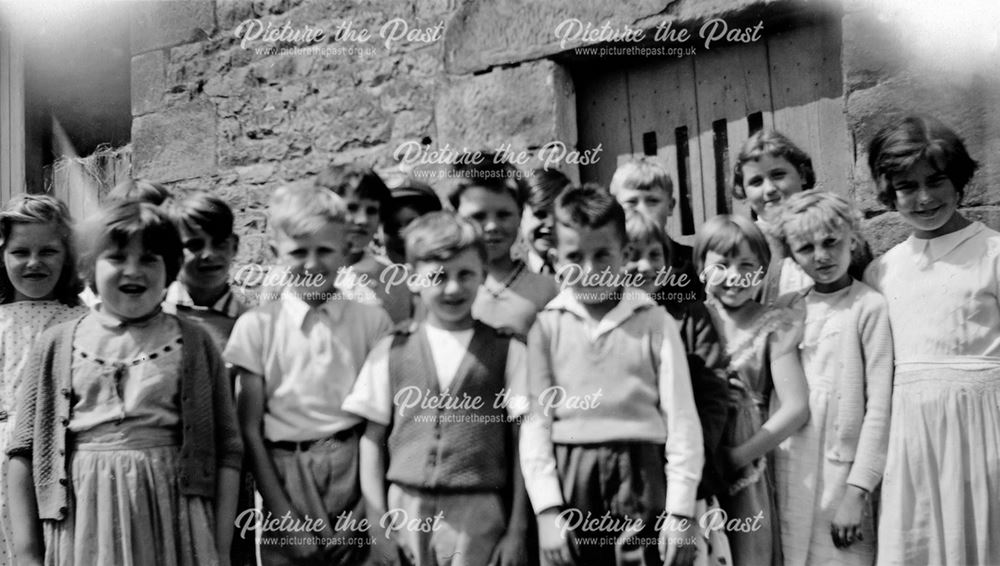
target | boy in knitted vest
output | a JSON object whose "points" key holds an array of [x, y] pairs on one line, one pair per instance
{"points": [[612, 449], [438, 454]]}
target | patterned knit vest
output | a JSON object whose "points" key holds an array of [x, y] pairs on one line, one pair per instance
{"points": [[455, 440]]}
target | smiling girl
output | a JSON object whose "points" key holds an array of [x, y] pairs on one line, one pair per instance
{"points": [[942, 285], [38, 288], [762, 346], [127, 450]]}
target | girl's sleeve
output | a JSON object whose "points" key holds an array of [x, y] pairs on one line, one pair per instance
{"points": [[22, 437], [786, 331], [876, 345], [229, 441]]}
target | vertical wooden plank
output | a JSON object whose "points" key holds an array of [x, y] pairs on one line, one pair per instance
{"points": [[661, 100], [603, 115], [807, 92], [732, 84]]}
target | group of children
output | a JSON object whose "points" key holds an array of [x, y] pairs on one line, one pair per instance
{"points": [[554, 381]]}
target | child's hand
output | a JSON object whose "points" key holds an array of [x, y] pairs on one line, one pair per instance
{"points": [[846, 527], [554, 541], [385, 550], [678, 546], [510, 551]]}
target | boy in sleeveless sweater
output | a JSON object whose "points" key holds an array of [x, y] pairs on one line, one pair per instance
{"points": [[612, 449], [438, 453]]}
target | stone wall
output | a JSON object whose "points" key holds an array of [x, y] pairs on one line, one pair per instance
{"points": [[209, 112]]}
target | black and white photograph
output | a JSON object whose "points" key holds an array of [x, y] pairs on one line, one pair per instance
{"points": [[499, 283]]}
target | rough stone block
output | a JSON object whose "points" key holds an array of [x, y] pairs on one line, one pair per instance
{"points": [[478, 36], [526, 106], [178, 143], [148, 82], [884, 231], [161, 23]]}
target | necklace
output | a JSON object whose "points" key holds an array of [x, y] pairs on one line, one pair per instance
{"points": [[507, 283]]}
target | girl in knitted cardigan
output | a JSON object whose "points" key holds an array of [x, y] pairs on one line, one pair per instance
{"points": [[828, 469], [38, 288], [126, 449]]}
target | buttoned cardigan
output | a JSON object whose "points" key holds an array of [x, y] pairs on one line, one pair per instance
{"points": [[210, 435]]}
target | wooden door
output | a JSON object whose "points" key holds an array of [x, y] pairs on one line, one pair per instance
{"points": [[695, 113]]}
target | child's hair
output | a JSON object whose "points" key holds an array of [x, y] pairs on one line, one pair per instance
{"points": [[141, 190], [592, 207], [723, 235], [440, 236], [41, 209], [774, 144], [543, 186], [118, 223], [498, 177], [411, 193], [905, 141], [812, 212], [641, 174], [362, 182], [640, 229], [204, 211], [299, 210]]}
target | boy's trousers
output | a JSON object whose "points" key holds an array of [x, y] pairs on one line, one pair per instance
{"points": [[618, 482], [465, 533]]}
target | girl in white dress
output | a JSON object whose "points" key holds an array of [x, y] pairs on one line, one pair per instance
{"points": [[38, 288], [827, 470], [942, 285]]}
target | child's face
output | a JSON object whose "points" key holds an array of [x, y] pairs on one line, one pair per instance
{"points": [[584, 254], [497, 215], [926, 199], [206, 260], [824, 256], [647, 259], [34, 257], [130, 280], [363, 216], [768, 181], [448, 288], [730, 278], [313, 260], [655, 203], [537, 227]]}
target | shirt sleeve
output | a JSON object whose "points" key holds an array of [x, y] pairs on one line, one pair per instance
{"points": [[371, 397], [538, 459], [383, 326], [245, 347], [684, 449], [516, 374]]}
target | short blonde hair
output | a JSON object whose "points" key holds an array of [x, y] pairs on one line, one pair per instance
{"points": [[300, 210], [641, 174], [813, 211]]}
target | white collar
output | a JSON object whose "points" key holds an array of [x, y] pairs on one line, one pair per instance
{"points": [[633, 300], [298, 310]]}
